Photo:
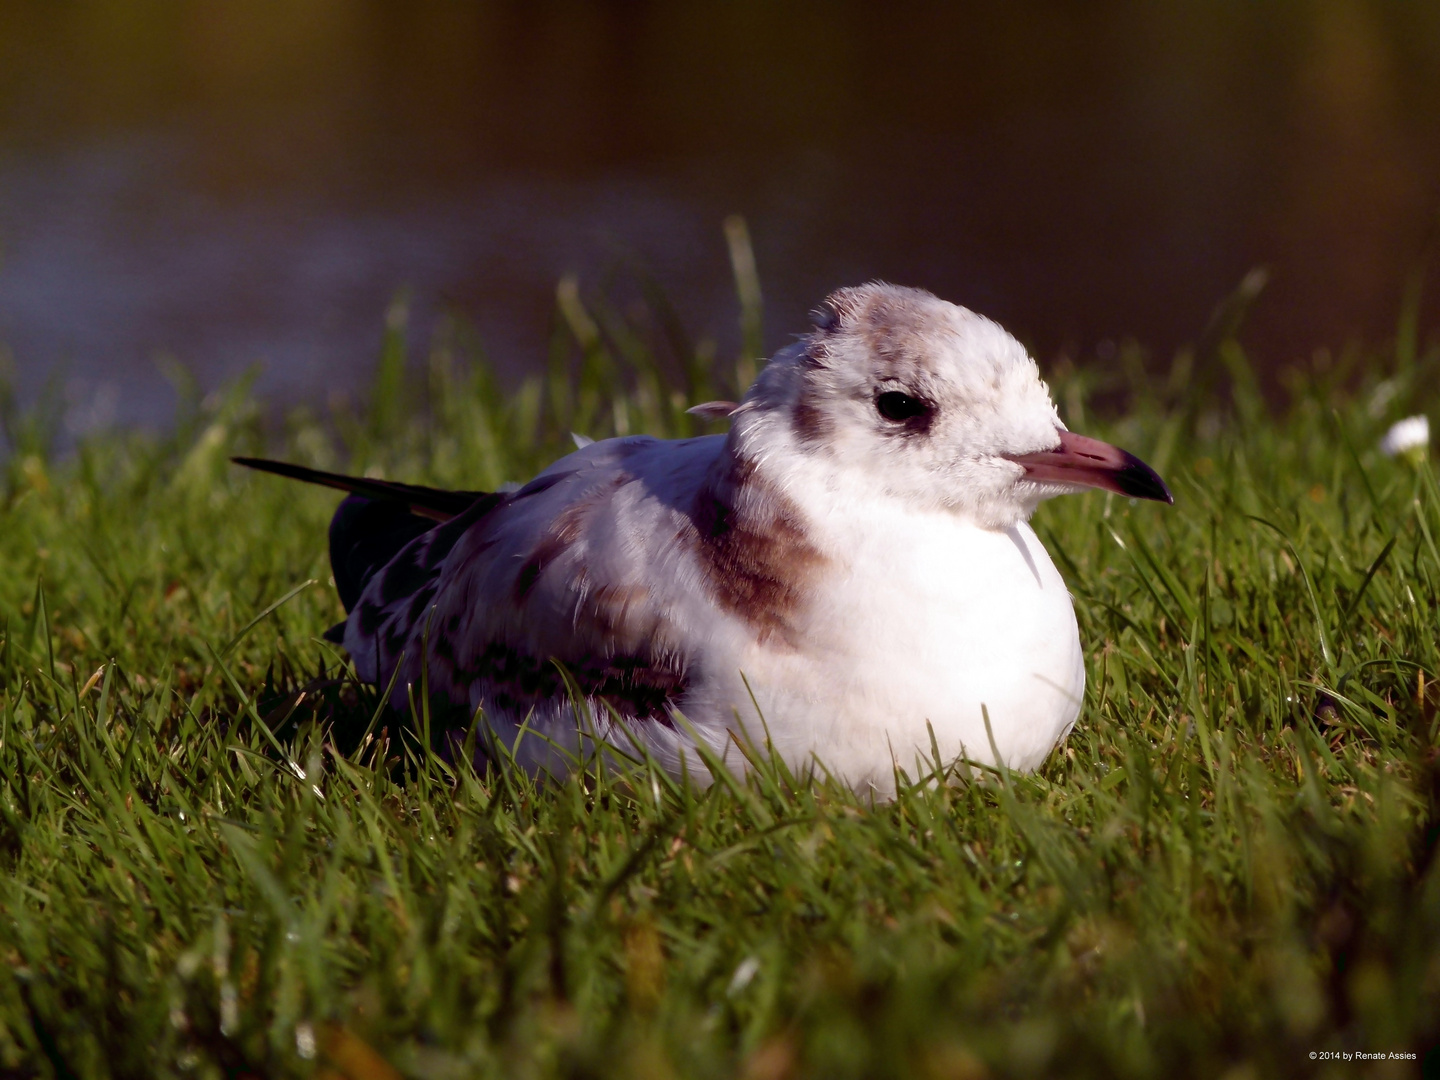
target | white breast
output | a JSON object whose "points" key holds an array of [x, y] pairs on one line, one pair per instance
{"points": [[929, 620]]}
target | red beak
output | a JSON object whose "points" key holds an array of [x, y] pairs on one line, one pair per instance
{"points": [[1091, 463]]}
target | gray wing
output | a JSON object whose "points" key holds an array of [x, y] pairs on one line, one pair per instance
{"points": [[591, 564]]}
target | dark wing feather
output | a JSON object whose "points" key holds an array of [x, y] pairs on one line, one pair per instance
{"points": [[365, 534], [427, 502]]}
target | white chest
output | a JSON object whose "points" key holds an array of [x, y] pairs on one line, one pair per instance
{"points": [[927, 620]]}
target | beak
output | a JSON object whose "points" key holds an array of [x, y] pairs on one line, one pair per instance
{"points": [[1086, 462]]}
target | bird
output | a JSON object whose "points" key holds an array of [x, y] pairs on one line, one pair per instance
{"points": [[847, 578]]}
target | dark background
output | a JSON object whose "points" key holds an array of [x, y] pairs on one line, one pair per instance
{"points": [[233, 184]]}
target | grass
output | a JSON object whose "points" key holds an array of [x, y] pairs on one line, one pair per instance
{"points": [[216, 860]]}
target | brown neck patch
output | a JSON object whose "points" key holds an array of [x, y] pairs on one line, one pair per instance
{"points": [[754, 549]]}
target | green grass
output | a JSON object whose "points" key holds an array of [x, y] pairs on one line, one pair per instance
{"points": [[1231, 864]]}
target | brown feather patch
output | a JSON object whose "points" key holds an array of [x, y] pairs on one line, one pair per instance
{"points": [[754, 550], [567, 528]]}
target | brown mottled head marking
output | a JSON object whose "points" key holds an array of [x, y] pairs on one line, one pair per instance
{"points": [[893, 321], [811, 424], [756, 555], [895, 329], [839, 308], [891, 325], [830, 317]]}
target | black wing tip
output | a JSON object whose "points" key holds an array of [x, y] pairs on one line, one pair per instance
{"points": [[280, 468], [427, 502]]}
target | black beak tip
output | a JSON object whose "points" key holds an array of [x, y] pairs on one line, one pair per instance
{"points": [[1139, 481]]}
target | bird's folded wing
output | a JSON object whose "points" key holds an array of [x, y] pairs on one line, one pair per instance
{"points": [[587, 565]]}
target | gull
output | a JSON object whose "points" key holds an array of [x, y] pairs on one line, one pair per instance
{"points": [[847, 578]]}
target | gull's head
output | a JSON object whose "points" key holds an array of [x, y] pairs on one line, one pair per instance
{"points": [[906, 394]]}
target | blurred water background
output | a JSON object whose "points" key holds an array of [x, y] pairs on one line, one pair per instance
{"points": [[247, 184]]}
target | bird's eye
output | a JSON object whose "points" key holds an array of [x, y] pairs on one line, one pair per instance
{"points": [[897, 407]]}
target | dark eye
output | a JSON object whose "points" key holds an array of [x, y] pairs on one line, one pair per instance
{"points": [[897, 407]]}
